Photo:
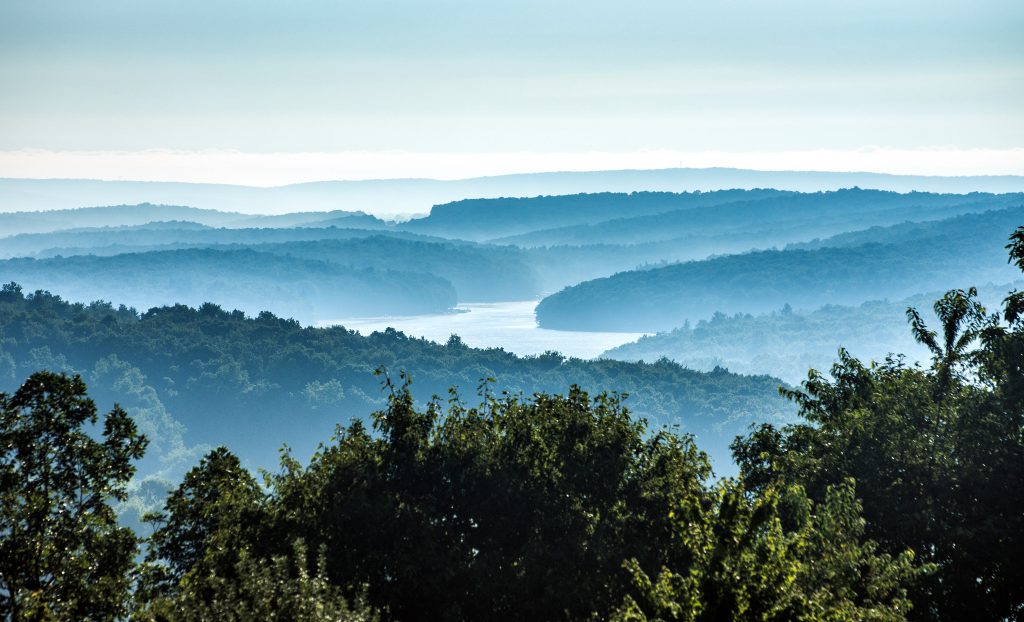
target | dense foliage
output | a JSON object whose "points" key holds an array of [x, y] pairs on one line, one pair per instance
{"points": [[759, 282], [208, 369], [938, 453], [894, 499], [776, 556], [550, 508], [62, 554], [279, 588]]}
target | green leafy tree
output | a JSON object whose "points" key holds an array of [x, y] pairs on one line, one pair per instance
{"points": [[514, 509], [62, 554], [775, 557], [213, 515], [280, 588], [938, 453]]}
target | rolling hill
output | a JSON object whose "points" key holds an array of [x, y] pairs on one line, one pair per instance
{"points": [[964, 251]]}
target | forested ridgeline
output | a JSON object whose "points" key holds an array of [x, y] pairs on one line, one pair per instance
{"points": [[206, 370], [893, 498], [170, 235], [912, 230], [787, 342], [961, 251], [484, 219], [572, 219], [665, 228], [751, 220], [479, 273], [244, 279], [51, 220]]}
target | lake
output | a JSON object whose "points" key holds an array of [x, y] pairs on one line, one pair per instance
{"points": [[508, 325]]}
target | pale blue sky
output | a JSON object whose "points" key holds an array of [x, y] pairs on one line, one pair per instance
{"points": [[484, 76]]}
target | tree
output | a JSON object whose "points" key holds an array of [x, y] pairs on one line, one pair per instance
{"points": [[208, 519], [937, 453], [62, 555], [775, 557], [280, 588], [514, 509]]}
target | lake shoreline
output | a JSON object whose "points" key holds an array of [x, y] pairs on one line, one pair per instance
{"points": [[510, 325]]}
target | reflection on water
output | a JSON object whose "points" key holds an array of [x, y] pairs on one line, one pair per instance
{"points": [[508, 325]]}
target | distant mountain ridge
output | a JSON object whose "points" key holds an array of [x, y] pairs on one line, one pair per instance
{"points": [[963, 251], [393, 197], [819, 212], [146, 213], [305, 289], [487, 219]]}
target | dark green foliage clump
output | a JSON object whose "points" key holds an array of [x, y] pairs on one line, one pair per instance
{"points": [[776, 556], [510, 510], [938, 453], [204, 518], [552, 508], [62, 554], [279, 588]]}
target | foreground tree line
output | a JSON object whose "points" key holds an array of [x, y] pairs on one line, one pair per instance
{"points": [[899, 496]]}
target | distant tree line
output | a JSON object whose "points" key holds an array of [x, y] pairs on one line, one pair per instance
{"points": [[663, 298], [787, 342], [194, 373]]}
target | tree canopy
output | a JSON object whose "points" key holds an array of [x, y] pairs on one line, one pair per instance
{"points": [[62, 554], [937, 452]]}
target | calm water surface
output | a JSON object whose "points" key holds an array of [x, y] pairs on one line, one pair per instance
{"points": [[508, 325]]}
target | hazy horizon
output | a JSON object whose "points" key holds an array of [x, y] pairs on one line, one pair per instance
{"points": [[266, 170], [266, 94], [403, 198]]}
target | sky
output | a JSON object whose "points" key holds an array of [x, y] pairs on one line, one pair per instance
{"points": [[222, 89]]}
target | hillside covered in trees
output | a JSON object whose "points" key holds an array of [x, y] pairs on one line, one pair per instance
{"points": [[755, 220], [962, 251], [890, 499], [244, 279], [170, 235], [787, 342], [198, 372], [558, 241], [105, 215], [484, 219]]}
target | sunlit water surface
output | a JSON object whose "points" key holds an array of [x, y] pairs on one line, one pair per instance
{"points": [[508, 325]]}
